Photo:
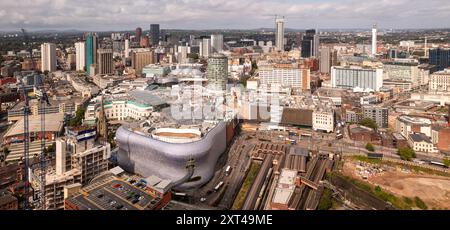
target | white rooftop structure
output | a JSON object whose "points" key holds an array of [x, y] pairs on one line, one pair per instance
{"points": [[116, 170], [285, 187], [53, 123]]}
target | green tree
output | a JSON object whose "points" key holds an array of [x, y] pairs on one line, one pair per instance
{"points": [[254, 65], [49, 149], [420, 204], [370, 147], [325, 202], [368, 122], [406, 153], [111, 140], [378, 189], [78, 119], [408, 200], [447, 162], [254, 68], [244, 80]]}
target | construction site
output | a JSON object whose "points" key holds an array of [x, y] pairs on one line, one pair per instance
{"points": [[402, 181]]}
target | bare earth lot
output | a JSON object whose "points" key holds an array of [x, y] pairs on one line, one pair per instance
{"points": [[433, 190]]}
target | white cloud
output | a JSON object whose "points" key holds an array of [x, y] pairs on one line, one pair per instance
{"points": [[198, 14]]}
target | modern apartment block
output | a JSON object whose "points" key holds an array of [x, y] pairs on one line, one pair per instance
{"points": [[353, 77], [378, 114], [286, 75]]}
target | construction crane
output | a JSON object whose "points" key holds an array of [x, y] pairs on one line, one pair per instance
{"points": [[26, 145], [43, 99], [26, 134]]}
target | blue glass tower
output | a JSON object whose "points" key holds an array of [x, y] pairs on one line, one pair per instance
{"points": [[91, 51], [440, 58]]}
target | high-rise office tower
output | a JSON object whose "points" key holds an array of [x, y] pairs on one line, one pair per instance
{"points": [[374, 40], [279, 35], [154, 34], [138, 34], [91, 51], [182, 54], [140, 58], [127, 48], [440, 58], [308, 44], [298, 39], [80, 49], [217, 72], [105, 61], [70, 61], [217, 43], [48, 57], [205, 47], [316, 45], [328, 58]]}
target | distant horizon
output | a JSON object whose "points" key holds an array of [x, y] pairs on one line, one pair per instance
{"points": [[213, 29], [119, 15]]}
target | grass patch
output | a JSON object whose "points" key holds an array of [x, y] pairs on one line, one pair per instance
{"points": [[404, 203], [248, 181], [360, 184], [378, 192], [416, 169], [326, 200], [428, 171], [420, 204], [408, 201], [442, 110], [366, 159], [389, 197]]}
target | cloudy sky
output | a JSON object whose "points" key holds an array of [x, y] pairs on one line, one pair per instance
{"points": [[221, 14]]}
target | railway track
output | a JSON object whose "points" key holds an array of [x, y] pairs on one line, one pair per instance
{"points": [[255, 189], [310, 197]]}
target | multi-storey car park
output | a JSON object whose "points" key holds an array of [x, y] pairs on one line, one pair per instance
{"points": [[112, 192]]}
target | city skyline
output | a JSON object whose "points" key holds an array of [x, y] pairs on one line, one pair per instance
{"points": [[110, 15]]}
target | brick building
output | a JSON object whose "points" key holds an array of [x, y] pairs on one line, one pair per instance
{"points": [[8, 202], [444, 140]]}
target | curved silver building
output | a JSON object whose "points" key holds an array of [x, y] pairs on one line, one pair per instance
{"points": [[140, 153]]}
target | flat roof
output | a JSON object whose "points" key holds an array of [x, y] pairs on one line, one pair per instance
{"points": [[282, 195], [295, 150], [415, 120], [146, 97], [287, 176], [398, 136], [112, 193], [360, 129], [53, 123], [116, 170], [420, 137]]}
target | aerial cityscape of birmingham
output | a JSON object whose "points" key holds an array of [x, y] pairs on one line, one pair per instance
{"points": [[225, 105]]}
